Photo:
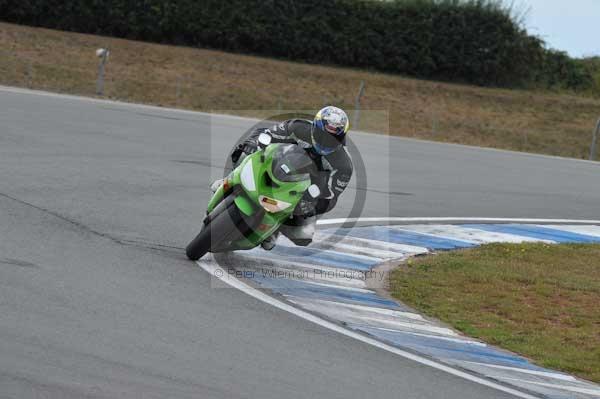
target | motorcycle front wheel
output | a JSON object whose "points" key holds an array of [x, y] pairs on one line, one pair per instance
{"points": [[223, 226], [200, 245]]}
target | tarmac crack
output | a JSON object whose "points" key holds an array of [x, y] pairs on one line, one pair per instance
{"points": [[81, 226], [16, 262]]}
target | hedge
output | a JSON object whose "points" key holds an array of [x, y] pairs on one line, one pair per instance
{"points": [[473, 41], [559, 71]]}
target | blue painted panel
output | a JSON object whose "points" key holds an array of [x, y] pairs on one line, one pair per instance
{"points": [[327, 258], [306, 290], [537, 232], [387, 234], [444, 349]]}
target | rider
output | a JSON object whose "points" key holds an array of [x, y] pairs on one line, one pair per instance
{"points": [[324, 139]]}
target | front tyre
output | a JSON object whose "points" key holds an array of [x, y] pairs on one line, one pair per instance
{"points": [[224, 225], [199, 245]]}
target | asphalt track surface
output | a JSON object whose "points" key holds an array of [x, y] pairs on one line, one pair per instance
{"points": [[98, 300]]}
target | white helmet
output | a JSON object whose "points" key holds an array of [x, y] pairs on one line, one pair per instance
{"points": [[329, 130]]}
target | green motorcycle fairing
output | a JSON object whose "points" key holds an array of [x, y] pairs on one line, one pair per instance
{"points": [[273, 179]]}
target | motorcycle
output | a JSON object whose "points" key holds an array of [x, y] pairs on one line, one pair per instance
{"points": [[256, 198]]}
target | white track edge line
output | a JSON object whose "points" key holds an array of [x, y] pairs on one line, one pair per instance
{"points": [[253, 292]]}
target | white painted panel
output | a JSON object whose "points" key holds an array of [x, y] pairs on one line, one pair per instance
{"points": [[585, 230], [468, 234]]}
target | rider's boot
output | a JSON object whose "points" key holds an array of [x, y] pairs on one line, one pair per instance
{"points": [[270, 242], [299, 229]]}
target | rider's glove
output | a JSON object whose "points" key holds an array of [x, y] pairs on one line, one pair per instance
{"points": [[237, 153], [247, 147], [250, 146]]}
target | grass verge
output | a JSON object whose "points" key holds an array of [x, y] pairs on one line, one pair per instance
{"points": [[207, 80], [538, 300]]}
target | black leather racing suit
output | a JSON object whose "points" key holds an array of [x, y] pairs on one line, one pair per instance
{"points": [[335, 169]]}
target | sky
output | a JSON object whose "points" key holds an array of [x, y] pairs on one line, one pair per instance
{"points": [[569, 25]]}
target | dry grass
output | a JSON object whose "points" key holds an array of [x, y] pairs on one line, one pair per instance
{"points": [[212, 80], [539, 300]]}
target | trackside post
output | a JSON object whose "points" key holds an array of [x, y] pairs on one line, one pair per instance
{"points": [[595, 142], [361, 91]]}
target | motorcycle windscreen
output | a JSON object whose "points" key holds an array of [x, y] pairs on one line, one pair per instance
{"points": [[291, 163]]}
